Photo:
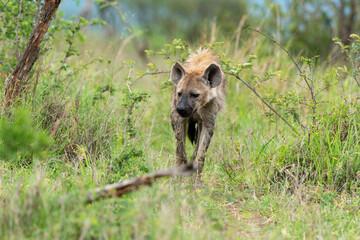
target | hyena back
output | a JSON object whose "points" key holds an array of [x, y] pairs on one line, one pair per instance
{"points": [[198, 96]]}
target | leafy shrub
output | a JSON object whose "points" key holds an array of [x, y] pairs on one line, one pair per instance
{"points": [[15, 28], [19, 140], [332, 155]]}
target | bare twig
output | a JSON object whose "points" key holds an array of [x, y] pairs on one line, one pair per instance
{"points": [[69, 75], [67, 55], [313, 97], [266, 103], [321, 90], [121, 188], [151, 73], [288, 53], [290, 81]]}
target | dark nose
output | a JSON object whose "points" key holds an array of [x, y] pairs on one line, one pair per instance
{"points": [[183, 112]]}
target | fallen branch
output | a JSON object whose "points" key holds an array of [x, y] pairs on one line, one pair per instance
{"points": [[121, 188]]}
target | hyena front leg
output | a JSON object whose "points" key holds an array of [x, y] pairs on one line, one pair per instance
{"points": [[206, 134], [179, 128]]}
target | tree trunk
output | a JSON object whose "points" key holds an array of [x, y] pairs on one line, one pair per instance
{"points": [[347, 23], [14, 83]]}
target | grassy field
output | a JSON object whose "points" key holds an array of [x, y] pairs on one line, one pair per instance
{"points": [[94, 122]]}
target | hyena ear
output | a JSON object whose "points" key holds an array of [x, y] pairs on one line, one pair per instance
{"points": [[213, 75], [177, 73]]}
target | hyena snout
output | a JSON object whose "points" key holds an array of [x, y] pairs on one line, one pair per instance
{"points": [[184, 109]]}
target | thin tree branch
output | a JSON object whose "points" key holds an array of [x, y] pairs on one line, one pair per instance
{"points": [[266, 103], [295, 83], [151, 73], [341, 80], [288, 53], [67, 55]]}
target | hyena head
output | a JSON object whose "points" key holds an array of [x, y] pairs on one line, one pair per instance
{"points": [[195, 88]]}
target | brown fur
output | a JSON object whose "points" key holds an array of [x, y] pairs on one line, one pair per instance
{"points": [[198, 96]]}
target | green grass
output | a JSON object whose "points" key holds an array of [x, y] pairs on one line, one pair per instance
{"points": [[260, 179]]}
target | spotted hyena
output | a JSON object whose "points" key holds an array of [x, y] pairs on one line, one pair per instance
{"points": [[197, 98]]}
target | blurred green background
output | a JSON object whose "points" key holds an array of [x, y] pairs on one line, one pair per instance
{"points": [[307, 26]]}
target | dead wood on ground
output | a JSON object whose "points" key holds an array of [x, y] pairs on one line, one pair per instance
{"points": [[123, 187]]}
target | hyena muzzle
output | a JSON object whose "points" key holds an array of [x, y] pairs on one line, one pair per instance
{"points": [[197, 98]]}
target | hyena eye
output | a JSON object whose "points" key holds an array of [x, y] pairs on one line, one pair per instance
{"points": [[179, 94], [194, 95]]}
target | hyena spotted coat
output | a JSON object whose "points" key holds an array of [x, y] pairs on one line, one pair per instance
{"points": [[198, 96]]}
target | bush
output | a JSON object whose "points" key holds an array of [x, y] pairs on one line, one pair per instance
{"points": [[19, 140], [331, 156]]}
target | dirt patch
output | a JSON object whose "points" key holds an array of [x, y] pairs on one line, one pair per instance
{"points": [[248, 224]]}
